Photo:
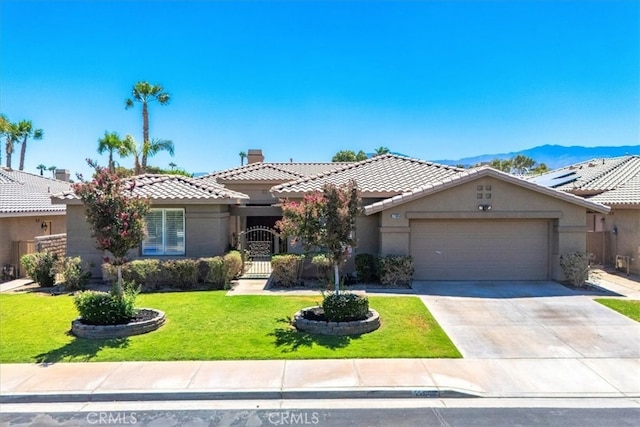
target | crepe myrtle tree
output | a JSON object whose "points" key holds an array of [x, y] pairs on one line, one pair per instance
{"points": [[324, 219], [115, 215]]}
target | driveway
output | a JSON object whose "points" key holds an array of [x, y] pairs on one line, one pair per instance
{"points": [[512, 320]]}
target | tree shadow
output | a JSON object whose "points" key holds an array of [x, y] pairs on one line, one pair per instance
{"points": [[80, 349], [290, 339]]}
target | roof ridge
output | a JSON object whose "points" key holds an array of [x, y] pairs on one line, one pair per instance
{"points": [[619, 161]]}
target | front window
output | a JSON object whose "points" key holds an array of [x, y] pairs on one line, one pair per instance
{"points": [[165, 232]]}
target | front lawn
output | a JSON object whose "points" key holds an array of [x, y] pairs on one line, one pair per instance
{"points": [[213, 326], [630, 308]]}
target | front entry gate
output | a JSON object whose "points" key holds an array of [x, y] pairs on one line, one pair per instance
{"points": [[258, 245]]}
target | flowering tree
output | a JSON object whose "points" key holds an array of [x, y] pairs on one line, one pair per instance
{"points": [[115, 216], [324, 219]]}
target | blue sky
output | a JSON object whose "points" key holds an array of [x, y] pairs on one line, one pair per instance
{"points": [[303, 80]]}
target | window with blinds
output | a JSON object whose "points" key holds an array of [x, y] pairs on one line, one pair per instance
{"points": [[165, 232]]}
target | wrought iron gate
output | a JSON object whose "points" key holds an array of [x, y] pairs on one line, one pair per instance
{"points": [[257, 245]]}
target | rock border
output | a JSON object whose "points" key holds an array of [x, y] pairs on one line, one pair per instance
{"points": [[81, 330], [356, 327]]}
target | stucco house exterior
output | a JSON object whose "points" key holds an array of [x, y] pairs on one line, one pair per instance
{"points": [[478, 224], [26, 211], [613, 238]]}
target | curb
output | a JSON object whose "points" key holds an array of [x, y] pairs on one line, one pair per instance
{"points": [[300, 394]]}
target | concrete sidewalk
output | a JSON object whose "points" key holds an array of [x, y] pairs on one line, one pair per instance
{"points": [[320, 379]]}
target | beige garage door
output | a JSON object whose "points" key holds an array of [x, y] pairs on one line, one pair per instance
{"points": [[480, 250]]}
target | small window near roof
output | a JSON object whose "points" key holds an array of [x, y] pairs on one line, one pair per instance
{"points": [[165, 232]]}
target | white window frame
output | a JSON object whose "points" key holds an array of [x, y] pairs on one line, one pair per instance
{"points": [[156, 250]]}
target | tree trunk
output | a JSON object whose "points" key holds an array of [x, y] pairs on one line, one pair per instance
{"points": [[23, 152], [336, 276], [145, 135], [111, 167], [9, 150], [119, 291]]}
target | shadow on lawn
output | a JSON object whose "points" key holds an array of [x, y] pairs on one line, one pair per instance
{"points": [[290, 339], [80, 350]]}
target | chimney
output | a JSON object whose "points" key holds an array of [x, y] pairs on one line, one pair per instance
{"points": [[63, 175], [255, 156]]}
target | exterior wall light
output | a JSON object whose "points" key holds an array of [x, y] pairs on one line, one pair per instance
{"points": [[395, 216], [484, 207]]}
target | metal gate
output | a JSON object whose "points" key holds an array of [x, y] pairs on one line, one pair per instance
{"points": [[257, 245]]}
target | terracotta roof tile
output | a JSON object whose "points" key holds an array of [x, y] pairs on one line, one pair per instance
{"points": [[270, 172], [383, 175], [22, 192]]}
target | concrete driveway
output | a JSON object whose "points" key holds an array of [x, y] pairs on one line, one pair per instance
{"points": [[513, 320]]}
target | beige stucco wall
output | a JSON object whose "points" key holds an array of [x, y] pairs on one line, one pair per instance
{"points": [[508, 201], [25, 228], [626, 240], [206, 233]]}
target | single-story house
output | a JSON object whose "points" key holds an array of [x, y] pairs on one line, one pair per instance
{"points": [[26, 212], [614, 239], [478, 224]]}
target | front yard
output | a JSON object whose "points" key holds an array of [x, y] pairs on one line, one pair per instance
{"points": [[630, 308], [212, 326]]}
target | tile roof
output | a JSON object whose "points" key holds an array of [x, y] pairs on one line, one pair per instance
{"points": [[379, 176], [613, 181], [270, 172], [472, 174], [173, 189], [26, 193]]}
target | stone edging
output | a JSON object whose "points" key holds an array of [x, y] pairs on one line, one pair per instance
{"points": [[356, 327], [81, 330]]}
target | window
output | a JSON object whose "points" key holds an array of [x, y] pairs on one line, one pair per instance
{"points": [[165, 232]]}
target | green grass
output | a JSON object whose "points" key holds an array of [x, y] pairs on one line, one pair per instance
{"points": [[213, 326], [630, 308]]}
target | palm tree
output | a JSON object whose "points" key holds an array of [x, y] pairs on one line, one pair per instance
{"points": [[110, 142], [25, 131], [41, 168], [154, 147], [172, 165], [53, 170], [144, 92], [381, 150], [10, 132], [243, 156]]}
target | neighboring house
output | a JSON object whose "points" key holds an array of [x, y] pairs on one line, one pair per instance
{"points": [[26, 211], [478, 224], [188, 218], [614, 182]]}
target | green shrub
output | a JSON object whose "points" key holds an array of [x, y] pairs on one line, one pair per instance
{"points": [[323, 267], [395, 269], [285, 269], [345, 307], [366, 268], [41, 267], [575, 266], [183, 273], [103, 308], [148, 273], [215, 272], [75, 275], [233, 262]]}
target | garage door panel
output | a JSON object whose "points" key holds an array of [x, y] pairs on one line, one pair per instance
{"points": [[480, 250]]}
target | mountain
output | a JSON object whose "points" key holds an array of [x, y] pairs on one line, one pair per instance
{"points": [[554, 156]]}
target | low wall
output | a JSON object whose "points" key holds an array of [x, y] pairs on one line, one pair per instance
{"points": [[55, 243]]}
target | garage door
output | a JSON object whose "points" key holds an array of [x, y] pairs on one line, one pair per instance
{"points": [[480, 250]]}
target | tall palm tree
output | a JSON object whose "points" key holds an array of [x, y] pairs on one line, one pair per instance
{"points": [[25, 131], [10, 132], [381, 150], [154, 147], [243, 156], [144, 93], [130, 148], [41, 168], [52, 169], [110, 142]]}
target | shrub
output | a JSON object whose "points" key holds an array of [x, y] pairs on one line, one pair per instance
{"points": [[75, 275], [233, 262], [41, 267], [395, 269], [323, 267], [147, 273], [345, 307], [575, 266], [285, 269], [215, 272], [366, 268], [102, 308], [183, 273]]}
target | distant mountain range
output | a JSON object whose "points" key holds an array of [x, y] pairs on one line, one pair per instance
{"points": [[554, 156]]}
